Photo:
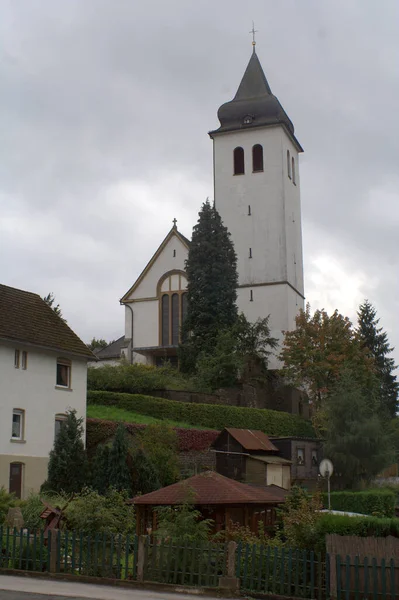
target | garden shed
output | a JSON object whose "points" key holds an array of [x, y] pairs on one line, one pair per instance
{"points": [[217, 497]]}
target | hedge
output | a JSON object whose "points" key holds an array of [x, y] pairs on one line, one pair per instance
{"points": [[360, 526], [370, 502], [99, 431], [214, 416]]}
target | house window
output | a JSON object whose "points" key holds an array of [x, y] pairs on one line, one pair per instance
{"points": [[251, 295], [239, 161], [315, 462], [249, 210], [300, 456], [293, 171], [257, 158], [288, 164], [24, 360], [250, 253], [16, 359], [59, 422], [63, 373], [17, 432]]}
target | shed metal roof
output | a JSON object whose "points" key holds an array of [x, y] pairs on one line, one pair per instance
{"points": [[252, 439]]}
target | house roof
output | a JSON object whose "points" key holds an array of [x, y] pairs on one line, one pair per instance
{"points": [[252, 439], [210, 488], [173, 232], [113, 350], [25, 317], [254, 105]]}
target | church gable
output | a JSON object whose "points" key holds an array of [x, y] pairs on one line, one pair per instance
{"points": [[164, 270]]}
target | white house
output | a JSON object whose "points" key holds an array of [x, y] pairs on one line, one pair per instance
{"points": [[257, 193], [43, 370]]}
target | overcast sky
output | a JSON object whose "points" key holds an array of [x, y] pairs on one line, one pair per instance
{"points": [[105, 107]]}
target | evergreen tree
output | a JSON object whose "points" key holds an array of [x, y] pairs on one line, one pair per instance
{"points": [[67, 468], [50, 300], [211, 269], [119, 476], [100, 470], [145, 474], [375, 339], [356, 440]]}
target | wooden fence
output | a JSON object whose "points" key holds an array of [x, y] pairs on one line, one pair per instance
{"points": [[254, 568]]}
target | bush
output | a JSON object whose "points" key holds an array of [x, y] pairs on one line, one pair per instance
{"points": [[360, 526], [207, 415], [31, 510], [134, 379], [379, 503], [6, 501], [92, 513]]}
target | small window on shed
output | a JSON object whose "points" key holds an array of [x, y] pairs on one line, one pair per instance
{"points": [[315, 462], [257, 158], [239, 168], [288, 164], [300, 456]]}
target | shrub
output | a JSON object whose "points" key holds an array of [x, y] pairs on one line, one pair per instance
{"points": [[31, 510], [207, 415], [134, 379], [379, 503], [360, 526], [6, 501], [92, 513]]}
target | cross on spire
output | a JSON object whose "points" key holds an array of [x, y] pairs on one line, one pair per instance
{"points": [[174, 222], [253, 31]]}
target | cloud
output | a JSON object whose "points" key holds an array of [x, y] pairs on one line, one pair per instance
{"points": [[104, 113]]}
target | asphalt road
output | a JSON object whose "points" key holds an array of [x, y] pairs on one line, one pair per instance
{"points": [[26, 588]]}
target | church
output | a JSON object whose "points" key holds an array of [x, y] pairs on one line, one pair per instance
{"points": [[257, 194]]}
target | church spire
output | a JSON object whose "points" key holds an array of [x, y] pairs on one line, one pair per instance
{"points": [[254, 104]]}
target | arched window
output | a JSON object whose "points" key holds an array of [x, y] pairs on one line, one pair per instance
{"points": [[165, 320], [175, 319], [257, 158], [288, 164], [184, 307], [293, 171], [239, 161]]}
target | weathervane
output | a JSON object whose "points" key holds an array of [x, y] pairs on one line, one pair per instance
{"points": [[253, 31]]}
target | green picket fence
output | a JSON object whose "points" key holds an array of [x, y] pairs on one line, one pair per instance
{"points": [[184, 563], [368, 579], [281, 571], [100, 555]]}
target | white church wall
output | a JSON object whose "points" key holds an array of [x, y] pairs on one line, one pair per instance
{"points": [[172, 257]]}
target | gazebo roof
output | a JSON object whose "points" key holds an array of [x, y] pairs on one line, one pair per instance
{"points": [[211, 488]]}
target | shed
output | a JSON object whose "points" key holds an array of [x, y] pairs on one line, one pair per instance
{"points": [[217, 497], [249, 456]]}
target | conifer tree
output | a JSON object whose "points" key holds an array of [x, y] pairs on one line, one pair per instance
{"points": [[67, 468], [100, 472], [356, 440], [119, 476], [375, 339], [211, 269]]}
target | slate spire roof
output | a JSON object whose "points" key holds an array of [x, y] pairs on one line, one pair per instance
{"points": [[26, 318], [254, 104]]}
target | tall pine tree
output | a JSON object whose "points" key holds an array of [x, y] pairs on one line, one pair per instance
{"points": [[375, 339], [211, 269], [119, 476], [67, 468]]}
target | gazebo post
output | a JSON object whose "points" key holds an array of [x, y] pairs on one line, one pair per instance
{"points": [[138, 519]]}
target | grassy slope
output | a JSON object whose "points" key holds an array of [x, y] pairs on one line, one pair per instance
{"points": [[111, 413]]}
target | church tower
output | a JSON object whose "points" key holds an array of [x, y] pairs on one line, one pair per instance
{"points": [[257, 193]]}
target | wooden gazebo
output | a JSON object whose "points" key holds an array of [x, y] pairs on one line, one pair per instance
{"points": [[217, 497]]}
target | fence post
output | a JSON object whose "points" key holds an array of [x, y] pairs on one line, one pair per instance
{"points": [[53, 550], [140, 557], [230, 581]]}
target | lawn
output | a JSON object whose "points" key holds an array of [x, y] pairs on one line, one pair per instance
{"points": [[111, 413]]}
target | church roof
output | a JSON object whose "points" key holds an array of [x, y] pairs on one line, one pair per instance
{"points": [[26, 318], [173, 232], [113, 350], [254, 104]]}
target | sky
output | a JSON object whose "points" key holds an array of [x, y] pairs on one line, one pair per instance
{"points": [[105, 107]]}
